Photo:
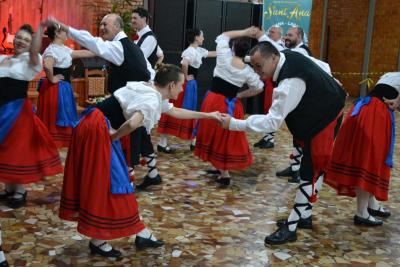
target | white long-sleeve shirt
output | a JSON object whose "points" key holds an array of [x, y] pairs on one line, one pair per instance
{"points": [[285, 98], [111, 51]]}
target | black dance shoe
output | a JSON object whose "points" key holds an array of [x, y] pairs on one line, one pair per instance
{"points": [[362, 221], [141, 243], [213, 172], [147, 181], [379, 213], [303, 223], [165, 149], [113, 253], [281, 236], [4, 264], [286, 172], [192, 147], [224, 180], [264, 144], [16, 203], [5, 194], [295, 178]]}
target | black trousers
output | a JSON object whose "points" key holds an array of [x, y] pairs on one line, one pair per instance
{"points": [[140, 145]]}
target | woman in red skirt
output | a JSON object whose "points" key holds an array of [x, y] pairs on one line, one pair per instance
{"points": [[27, 152], [97, 191], [362, 155], [227, 150], [56, 103], [191, 62]]}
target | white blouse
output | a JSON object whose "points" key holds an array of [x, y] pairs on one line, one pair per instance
{"points": [[392, 79], [229, 73], [194, 56], [140, 96], [19, 67], [61, 54]]}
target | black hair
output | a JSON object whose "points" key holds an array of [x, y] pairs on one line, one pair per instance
{"points": [[266, 49], [26, 27], [167, 73], [51, 32], [241, 46], [191, 34], [143, 13]]}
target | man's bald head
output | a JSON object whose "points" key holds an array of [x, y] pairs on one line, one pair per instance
{"points": [[110, 26]]}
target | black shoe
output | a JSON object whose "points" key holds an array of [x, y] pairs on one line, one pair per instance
{"points": [[192, 147], [295, 178], [4, 264], [5, 195], [16, 203], [165, 149], [281, 236], [223, 180], [286, 172], [264, 144], [141, 243], [362, 221], [113, 253], [379, 213], [213, 172], [147, 181], [303, 223]]}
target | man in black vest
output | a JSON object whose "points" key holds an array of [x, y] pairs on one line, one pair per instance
{"points": [[146, 39], [310, 101], [294, 40]]}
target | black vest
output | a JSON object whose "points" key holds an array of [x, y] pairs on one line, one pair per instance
{"points": [[134, 67], [322, 101], [382, 90], [111, 108], [153, 56], [12, 89], [307, 49]]}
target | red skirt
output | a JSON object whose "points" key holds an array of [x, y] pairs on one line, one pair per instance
{"points": [[86, 195], [28, 152], [360, 151], [176, 127], [47, 107], [268, 89], [224, 149]]}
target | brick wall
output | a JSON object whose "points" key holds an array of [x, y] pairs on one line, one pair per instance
{"points": [[346, 34]]}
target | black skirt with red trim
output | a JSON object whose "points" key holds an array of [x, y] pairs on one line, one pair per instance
{"points": [[224, 149], [28, 153], [86, 195]]}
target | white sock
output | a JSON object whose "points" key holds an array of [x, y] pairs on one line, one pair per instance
{"points": [[362, 204], [20, 189], [193, 142], [151, 164], [269, 137], [145, 233], [2, 256], [8, 188], [373, 203], [297, 154], [97, 242], [224, 174], [163, 140], [301, 203]]}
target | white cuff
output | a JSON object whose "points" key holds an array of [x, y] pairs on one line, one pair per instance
{"points": [[237, 125]]}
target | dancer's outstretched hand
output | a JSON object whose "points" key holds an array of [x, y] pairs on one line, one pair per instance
{"points": [[225, 121], [216, 115]]}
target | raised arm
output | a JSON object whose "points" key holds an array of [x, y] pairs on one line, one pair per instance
{"points": [[36, 46]]}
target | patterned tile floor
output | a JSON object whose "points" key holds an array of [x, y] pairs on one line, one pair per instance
{"points": [[204, 225]]}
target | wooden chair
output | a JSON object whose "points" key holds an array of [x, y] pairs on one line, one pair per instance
{"points": [[95, 84]]}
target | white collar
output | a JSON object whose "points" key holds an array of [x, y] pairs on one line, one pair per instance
{"points": [[300, 44], [282, 60], [119, 36], [143, 31]]}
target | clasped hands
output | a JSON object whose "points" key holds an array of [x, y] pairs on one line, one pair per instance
{"points": [[222, 118]]}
